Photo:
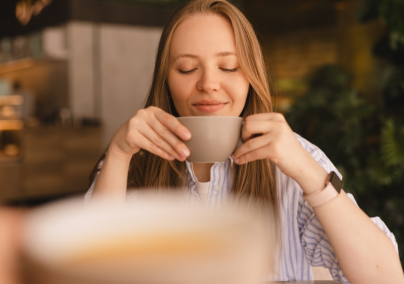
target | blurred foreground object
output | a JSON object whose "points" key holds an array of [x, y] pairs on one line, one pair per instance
{"points": [[153, 240], [10, 226]]}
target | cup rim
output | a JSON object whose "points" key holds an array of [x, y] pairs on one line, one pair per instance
{"points": [[67, 212]]}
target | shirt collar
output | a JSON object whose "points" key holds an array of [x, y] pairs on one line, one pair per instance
{"points": [[190, 168]]}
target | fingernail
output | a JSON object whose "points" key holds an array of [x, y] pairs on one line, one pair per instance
{"points": [[186, 135], [237, 161], [232, 157], [171, 157], [185, 152]]}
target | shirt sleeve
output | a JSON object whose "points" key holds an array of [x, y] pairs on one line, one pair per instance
{"points": [[318, 249], [89, 192], [130, 194]]}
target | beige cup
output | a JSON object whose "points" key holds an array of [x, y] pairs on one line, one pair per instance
{"points": [[214, 138]]}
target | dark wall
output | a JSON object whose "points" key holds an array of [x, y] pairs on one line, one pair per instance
{"points": [[271, 17], [61, 11], [119, 12]]}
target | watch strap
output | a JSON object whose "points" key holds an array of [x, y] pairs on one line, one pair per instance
{"points": [[318, 198]]}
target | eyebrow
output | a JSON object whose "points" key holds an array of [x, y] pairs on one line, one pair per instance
{"points": [[220, 54]]}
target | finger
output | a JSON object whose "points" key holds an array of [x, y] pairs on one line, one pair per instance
{"points": [[148, 145], [274, 116], [176, 144], [151, 135], [257, 154], [172, 123], [256, 127], [252, 145]]}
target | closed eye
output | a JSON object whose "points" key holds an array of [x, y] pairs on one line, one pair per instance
{"points": [[230, 70], [186, 72]]}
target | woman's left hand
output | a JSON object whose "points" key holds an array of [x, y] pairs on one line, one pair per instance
{"points": [[268, 136]]}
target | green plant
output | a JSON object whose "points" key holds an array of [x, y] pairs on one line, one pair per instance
{"points": [[389, 12], [389, 48], [365, 142], [333, 116]]}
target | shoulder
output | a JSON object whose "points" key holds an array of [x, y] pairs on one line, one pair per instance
{"points": [[308, 146], [317, 155]]}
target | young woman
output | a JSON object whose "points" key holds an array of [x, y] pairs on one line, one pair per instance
{"points": [[209, 62]]}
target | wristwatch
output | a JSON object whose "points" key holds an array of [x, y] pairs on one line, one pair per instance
{"points": [[333, 187]]}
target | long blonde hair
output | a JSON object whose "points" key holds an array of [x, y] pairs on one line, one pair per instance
{"points": [[254, 181]]}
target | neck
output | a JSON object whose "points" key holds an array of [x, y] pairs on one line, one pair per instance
{"points": [[202, 171]]}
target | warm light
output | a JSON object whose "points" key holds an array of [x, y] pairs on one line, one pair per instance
{"points": [[23, 12], [11, 125], [25, 9], [340, 5], [37, 8]]}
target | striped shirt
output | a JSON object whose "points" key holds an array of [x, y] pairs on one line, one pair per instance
{"points": [[304, 242]]}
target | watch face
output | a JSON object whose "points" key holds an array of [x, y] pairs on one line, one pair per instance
{"points": [[336, 182]]}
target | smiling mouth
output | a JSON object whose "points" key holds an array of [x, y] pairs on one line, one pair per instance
{"points": [[209, 107]]}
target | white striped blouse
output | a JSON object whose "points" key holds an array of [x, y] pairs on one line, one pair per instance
{"points": [[304, 242]]}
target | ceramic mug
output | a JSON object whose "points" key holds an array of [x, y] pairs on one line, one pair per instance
{"points": [[214, 138]]}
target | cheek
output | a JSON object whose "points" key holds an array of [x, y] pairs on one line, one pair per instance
{"points": [[239, 90], [180, 89], [175, 85]]}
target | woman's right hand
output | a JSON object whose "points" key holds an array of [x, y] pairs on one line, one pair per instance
{"points": [[153, 130]]}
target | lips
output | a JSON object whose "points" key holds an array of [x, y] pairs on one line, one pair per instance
{"points": [[209, 106]]}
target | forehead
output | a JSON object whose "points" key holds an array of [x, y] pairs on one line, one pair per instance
{"points": [[203, 35]]}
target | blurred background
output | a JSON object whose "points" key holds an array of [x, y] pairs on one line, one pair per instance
{"points": [[72, 71]]}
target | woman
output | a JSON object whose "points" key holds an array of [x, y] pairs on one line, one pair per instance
{"points": [[209, 62]]}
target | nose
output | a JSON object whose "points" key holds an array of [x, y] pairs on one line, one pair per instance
{"points": [[209, 81]]}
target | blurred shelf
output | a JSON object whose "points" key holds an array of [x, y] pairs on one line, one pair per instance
{"points": [[9, 161], [15, 65], [24, 63], [11, 125], [14, 100], [57, 161]]}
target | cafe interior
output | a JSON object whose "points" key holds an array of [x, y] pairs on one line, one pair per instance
{"points": [[73, 71]]}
